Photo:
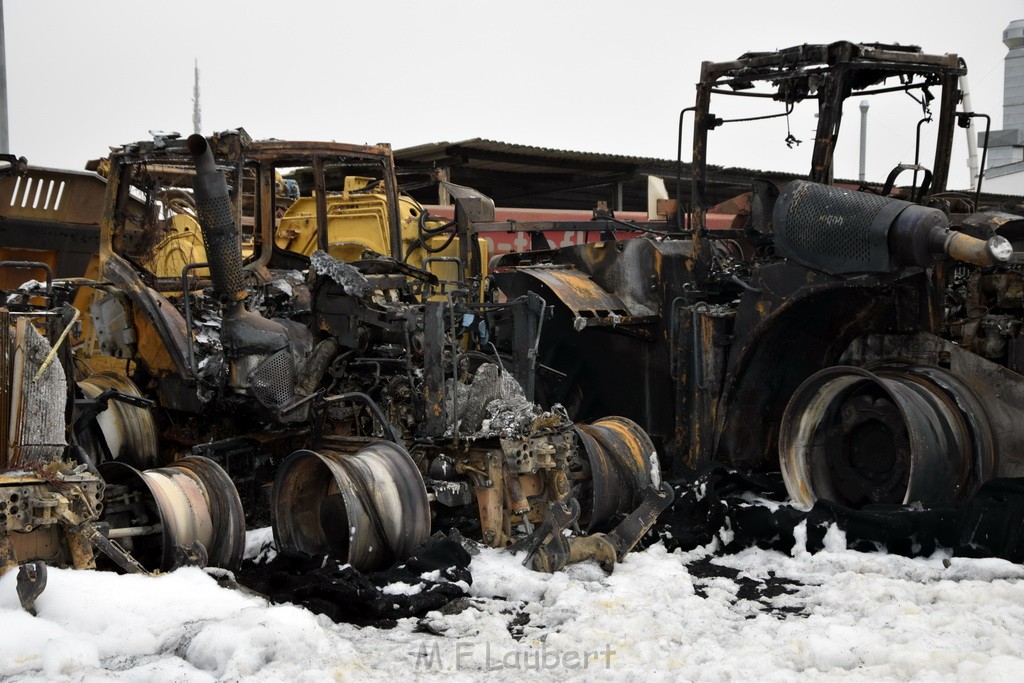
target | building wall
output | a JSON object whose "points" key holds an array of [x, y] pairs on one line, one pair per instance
{"points": [[1009, 184]]}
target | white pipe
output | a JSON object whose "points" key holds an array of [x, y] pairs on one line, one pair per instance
{"points": [[195, 103], [864, 104], [5, 142], [972, 138]]}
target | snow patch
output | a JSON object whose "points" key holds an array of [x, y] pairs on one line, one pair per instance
{"points": [[800, 540], [677, 615], [835, 538], [259, 545]]}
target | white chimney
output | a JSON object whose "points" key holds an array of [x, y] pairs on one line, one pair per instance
{"points": [[1006, 146]]}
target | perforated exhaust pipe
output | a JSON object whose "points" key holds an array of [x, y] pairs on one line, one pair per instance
{"points": [[220, 233], [243, 332]]}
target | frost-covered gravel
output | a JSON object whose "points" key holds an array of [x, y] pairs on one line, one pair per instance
{"points": [[659, 616]]}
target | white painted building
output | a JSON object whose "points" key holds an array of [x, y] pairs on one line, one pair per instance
{"points": [[1004, 172]]}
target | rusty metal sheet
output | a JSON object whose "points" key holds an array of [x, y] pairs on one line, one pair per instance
{"points": [[584, 297]]}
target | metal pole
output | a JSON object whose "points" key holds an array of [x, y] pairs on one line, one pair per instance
{"points": [[863, 137], [972, 137], [5, 144], [196, 124]]}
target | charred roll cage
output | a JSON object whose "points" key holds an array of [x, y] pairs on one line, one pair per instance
{"points": [[868, 346]]}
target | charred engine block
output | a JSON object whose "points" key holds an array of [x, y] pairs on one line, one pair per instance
{"points": [[417, 433]]}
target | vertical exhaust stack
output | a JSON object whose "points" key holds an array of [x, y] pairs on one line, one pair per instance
{"points": [[260, 350], [864, 106], [220, 234]]}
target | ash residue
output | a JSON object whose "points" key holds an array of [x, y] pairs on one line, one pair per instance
{"points": [[510, 417], [436, 574], [706, 572], [345, 274], [485, 388], [26, 288]]}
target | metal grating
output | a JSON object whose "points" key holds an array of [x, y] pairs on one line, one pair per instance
{"points": [[833, 229], [273, 380]]}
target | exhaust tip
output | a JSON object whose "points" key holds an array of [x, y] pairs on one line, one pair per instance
{"points": [[197, 144]]}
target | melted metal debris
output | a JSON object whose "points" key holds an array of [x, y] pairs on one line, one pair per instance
{"points": [[345, 274], [492, 404], [435, 575], [26, 287], [510, 415], [40, 438]]}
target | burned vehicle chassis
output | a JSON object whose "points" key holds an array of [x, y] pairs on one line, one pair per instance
{"points": [[866, 341], [356, 405]]}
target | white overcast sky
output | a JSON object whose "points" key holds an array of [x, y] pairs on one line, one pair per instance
{"points": [[596, 76]]}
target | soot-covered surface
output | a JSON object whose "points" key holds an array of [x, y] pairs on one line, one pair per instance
{"points": [[436, 574], [716, 508], [742, 511]]}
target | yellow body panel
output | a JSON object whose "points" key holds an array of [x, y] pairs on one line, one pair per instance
{"points": [[182, 245], [358, 221]]}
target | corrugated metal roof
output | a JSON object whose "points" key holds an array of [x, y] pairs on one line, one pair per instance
{"points": [[526, 175], [497, 155], [513, 157]]}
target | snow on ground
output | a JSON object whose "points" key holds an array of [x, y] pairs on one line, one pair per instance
{"points": [[660, 616]]}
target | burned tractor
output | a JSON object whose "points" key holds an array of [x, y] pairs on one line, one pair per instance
{"points": [[865, 339], [348, 394], [56, 507]]}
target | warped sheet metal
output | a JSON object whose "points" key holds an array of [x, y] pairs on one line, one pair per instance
{"points": [[584, 297]]}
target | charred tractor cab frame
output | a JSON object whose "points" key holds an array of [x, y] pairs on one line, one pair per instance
{"points": [[346, 391]]}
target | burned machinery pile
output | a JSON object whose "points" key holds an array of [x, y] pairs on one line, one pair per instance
{"points": [[354, 404], [348, 368], [864, 339]]}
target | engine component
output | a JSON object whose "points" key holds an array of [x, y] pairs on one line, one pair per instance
{"points": [[367, 509], [220, 234], [42, 517], [836, 230]]}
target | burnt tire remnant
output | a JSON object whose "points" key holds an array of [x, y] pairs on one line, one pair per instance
{"points": [[345, 594]]}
